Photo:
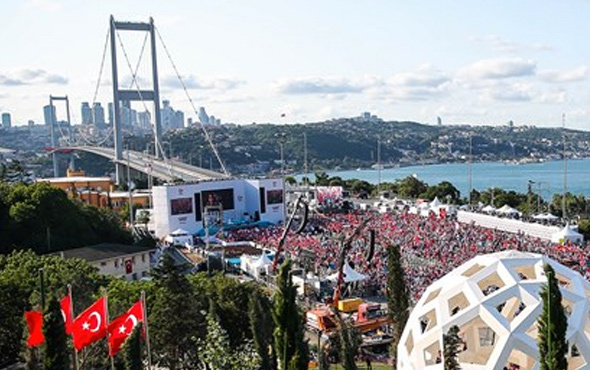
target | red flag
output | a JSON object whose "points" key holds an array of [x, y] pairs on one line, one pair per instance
{"points": [[121, 327], [35, 324], [90, 325], [66, 312]]}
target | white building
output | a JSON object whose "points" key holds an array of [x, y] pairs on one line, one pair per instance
{"points": [[182, 206], [494, 300], [131, 262]]}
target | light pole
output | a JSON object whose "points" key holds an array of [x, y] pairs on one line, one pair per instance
{"points": [[470, 169]]}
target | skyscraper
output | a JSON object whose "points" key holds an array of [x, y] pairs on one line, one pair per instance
{"points": [[6, 122], [110, 109], [86, 114], [98, 115], [203, 117], [49, 115]]}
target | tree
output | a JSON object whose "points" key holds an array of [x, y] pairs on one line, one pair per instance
{"points": [[132, 350], [12, 306], [451, 342], [350, 342], [56, 351], [398, 300], [292, 349], [262, 328], [412, 187], [552, 326], [217, 354], [290, 180], [176, 317]]}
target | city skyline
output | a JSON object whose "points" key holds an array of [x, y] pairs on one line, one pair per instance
{"points": [[467, 62]]}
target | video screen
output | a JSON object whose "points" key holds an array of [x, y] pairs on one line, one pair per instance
{"points": [[274, 196], [181, 206], [225, 197]]}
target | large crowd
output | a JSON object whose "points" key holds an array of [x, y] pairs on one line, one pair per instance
{"points": [[431, 246]]}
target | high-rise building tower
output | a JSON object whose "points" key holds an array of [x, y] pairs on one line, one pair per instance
{"points": [[203, 117], [110, 109], [86, 114], [6, 121], [98, 115], [49, 115]]}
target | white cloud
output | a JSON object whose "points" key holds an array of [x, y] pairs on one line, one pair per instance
{"points": [[509, 93], [572, 75], [318, 85], [197, 83], [502, 45], [498, 68], [552, 97], [28, 76], [426, 75]]}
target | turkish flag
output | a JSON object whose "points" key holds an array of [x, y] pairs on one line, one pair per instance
{"points": [[90, 325], [35, 325], [121, 327], [66, 312]]}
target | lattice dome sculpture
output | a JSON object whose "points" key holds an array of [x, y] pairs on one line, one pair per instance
{"points": [[494, 300]]}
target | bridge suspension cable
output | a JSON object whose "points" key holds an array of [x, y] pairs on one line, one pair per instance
{"points": [[95, 96], [207, 136], [138, 89]]}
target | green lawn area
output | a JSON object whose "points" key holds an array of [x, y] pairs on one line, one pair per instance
{"points": [[362, 366]]}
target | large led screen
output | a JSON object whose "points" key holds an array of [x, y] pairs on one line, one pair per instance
{"points": [[225, 197], [181, 206], [274, 196]]}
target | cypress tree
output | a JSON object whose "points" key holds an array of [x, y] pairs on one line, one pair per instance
{"points": [[398, 300], [349, 343], [56, 354], [451, 342], [262, 328], [291, 347], [552, 326], [132, 350]]}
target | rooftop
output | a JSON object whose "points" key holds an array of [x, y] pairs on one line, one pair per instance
{"points": [[74, 179], [104, 251]]}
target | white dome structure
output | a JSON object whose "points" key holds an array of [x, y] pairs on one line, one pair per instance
{"points": [[494, 300]]}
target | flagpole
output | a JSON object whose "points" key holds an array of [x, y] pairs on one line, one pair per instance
{"points": [[106, 313], [147, 332], [72, 316]]}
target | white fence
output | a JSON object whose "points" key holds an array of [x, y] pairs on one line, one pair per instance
{"points": [[506, 224]]}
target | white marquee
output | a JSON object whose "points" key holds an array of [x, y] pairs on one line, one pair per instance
{"points": [[494, 300]]}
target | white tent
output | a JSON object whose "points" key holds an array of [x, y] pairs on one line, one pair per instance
{"points": [[489, 209], [507, 210], [545, 216], [349, 274], [568, 233], [262, 262], [435, 203]]}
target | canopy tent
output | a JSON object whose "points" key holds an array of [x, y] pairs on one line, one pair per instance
{"points": [[179, 232], [507, 210], [489, 209], [262, 262], [349, 275], [545, 216], [435, 203], [568, 233]]}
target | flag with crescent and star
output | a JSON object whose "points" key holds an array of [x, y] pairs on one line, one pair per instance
{"points": [[90, 325], [121, 327], [66, 312]]}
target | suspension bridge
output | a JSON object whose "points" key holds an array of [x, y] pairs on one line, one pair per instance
{"points": [[155, 164]]}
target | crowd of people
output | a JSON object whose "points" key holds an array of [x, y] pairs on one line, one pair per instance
{"points": [[431, 246]]}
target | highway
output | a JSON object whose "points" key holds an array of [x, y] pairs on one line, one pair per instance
{"points": [[158, 168]]}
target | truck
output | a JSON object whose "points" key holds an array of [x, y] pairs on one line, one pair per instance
{"points": [[367, 317]]}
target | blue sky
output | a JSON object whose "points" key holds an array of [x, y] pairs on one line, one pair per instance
{"points": [[467, 61]]}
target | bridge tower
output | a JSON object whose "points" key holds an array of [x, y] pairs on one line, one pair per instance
{"points": [[54, 123], [133, 95]]}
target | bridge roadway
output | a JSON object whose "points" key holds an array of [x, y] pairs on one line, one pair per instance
{"points": [[142, 162]]}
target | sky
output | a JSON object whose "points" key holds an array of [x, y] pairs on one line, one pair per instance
{"points": [[466, 61]]}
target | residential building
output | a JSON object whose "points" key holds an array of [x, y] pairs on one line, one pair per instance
{"points": [[130, 262], [98, 115]]}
